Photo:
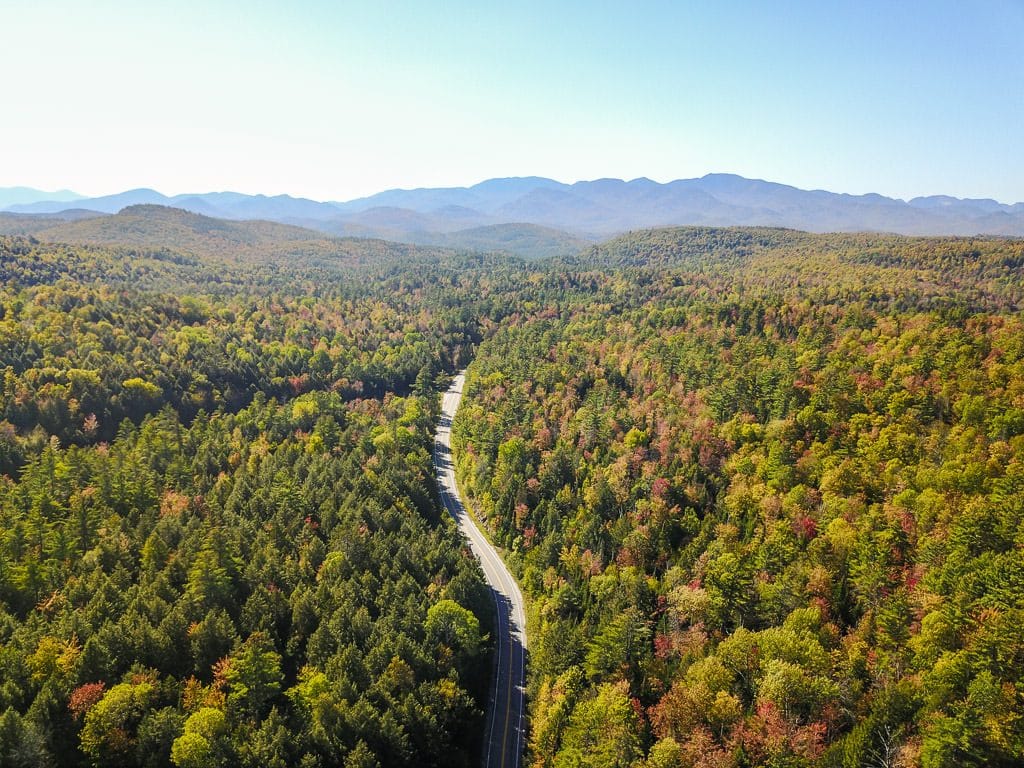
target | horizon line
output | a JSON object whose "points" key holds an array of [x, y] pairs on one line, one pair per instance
{"points": [[81, 196]]}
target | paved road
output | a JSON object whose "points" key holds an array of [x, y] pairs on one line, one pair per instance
{"points": [[504, 740]]}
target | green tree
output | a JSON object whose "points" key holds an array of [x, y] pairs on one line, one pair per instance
{"points": [[109, 730], [603, 731], [253, 675], [203, 742], [451, 625]]}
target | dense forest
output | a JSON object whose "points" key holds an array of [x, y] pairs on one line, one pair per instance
{"points": [[764, 491], [220, 539]]}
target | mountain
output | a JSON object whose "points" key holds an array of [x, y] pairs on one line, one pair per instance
{"points": [[226, 205], [30, 224], [486, 197], [157, 227], [25, 195], [604, 207], [160, 227], [528, 240], [104, 204], [446, 219], [277, 208], [452, 227], [583, 211]]}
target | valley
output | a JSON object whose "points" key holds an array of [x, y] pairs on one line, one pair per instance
{"points": [[756, 492]]}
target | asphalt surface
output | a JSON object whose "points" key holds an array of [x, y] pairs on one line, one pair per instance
{"points": [[503, 744]]}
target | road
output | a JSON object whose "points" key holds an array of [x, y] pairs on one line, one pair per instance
{"points": [[503, 744]]}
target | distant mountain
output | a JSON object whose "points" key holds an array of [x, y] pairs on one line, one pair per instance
{"points": [[486, 197], [586, 210], [158, 227], [226, 205], [451, 227], [604, 207], [23, 195], [389, 218], [105, 204], [276, 208]]}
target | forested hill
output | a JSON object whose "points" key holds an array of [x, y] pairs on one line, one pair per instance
{"points": [[159, 227], [955, 261], [887, 271], [765, 492]]}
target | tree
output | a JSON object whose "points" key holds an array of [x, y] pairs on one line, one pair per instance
{"points": [[202, 743], [253, 675], [108, 733], [21, 743], [361, 756], [603, 731], [451, 625]]}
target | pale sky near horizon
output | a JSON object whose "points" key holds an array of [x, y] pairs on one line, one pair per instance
{"points": [[334, 100]]}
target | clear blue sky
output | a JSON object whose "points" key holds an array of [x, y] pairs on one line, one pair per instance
{"points": [[332, 100]]}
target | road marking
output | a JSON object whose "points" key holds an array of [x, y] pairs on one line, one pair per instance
{"points": [[509, 611]]}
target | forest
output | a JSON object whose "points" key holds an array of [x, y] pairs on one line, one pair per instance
{"points": [[764, 491], [220, 540]]}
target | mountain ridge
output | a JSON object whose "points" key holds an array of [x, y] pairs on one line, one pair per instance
{"points": [[26, 195], [585, 210]]}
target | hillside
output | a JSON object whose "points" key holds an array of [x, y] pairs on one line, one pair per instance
{"points": [[587, 210], [149, 225], [763, 490], [527, 240], [29, 224], [159, 227], [963, 260]]}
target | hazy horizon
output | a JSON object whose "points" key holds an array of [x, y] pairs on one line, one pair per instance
{"points": [[222, 190], [334, 101]]}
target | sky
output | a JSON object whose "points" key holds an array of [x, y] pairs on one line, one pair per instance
{"points": [[335, 100]]}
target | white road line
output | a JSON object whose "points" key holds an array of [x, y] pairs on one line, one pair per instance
{"points": [[510, 616]]}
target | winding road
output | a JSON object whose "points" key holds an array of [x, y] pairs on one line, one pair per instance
{"points": [[504, 741]]}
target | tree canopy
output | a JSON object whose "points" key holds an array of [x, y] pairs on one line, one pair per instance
{"points": [[762, 489]]}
